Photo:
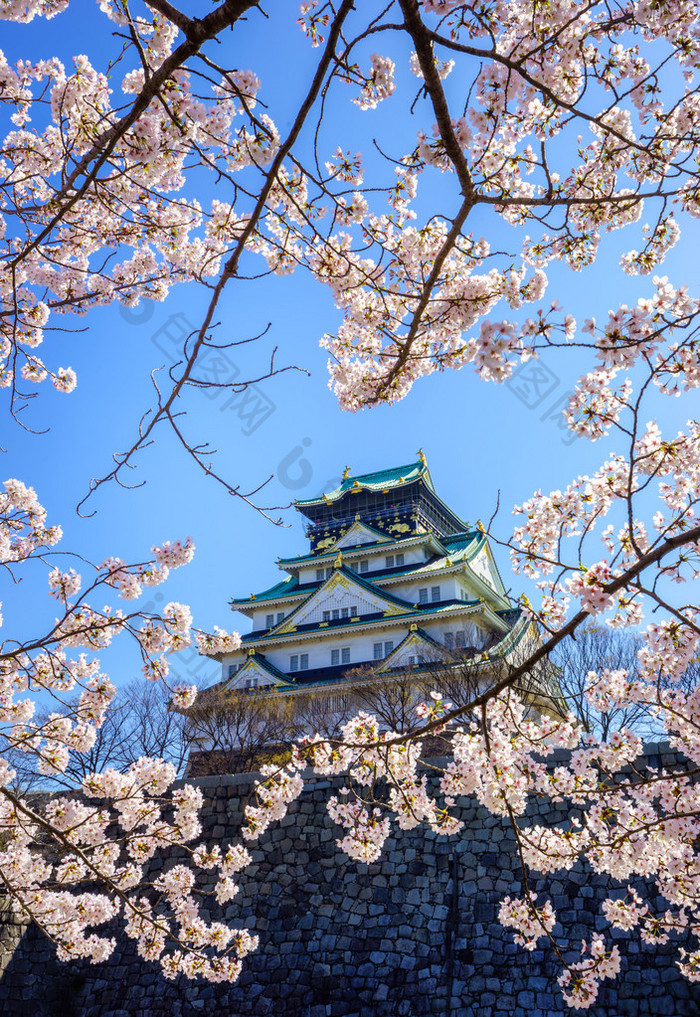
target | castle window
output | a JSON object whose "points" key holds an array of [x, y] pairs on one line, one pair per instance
{"points": [[320, 575], [335, 657], [378, 651], [280, 616], [344, 612], [294, 662], [353, 612], [411, 661], [326, 616], [399, 559], [303, 662], [423, 595], [364, 566], [434, 593], [232, 668], [269, 621], [345, 655], [388, 647], [449, 640], [353, 568], [390, 561], [460, 641], [336, 615]]}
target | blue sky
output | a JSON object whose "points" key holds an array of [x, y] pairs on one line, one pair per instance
{"points": [[480, 439]]}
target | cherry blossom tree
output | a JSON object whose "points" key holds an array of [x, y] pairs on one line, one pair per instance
{"points": [[138, 722], [552, 125], [107, 833]]}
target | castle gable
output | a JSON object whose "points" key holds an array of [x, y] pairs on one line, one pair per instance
{"points": [[416, 649], [256, 673], [360, 534], [483, 565], [346, 594]]}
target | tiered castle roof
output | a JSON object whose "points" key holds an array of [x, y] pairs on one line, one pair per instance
{"points": [[393, 579]]}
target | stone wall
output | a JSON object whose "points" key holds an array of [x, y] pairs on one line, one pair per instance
{"points": [[414, 934]]}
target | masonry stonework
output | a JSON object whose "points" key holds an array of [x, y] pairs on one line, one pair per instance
{"points": [[414, 934]]}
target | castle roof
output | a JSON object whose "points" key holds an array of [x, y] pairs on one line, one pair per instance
{"points": [[380, 480], [391, 573]]}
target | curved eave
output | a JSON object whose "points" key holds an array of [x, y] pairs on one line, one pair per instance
{"points": [[484, 542], [339, 494], [468, 538], [259, 660], [421, 636], [448, 611], [359, 550], [481, 584], [513, 637], [284, 682], [381, 480], [355, 578], [284, 588], [426, 572]]}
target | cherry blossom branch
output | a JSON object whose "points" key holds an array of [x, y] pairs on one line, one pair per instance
{"points": [[165, 409]]}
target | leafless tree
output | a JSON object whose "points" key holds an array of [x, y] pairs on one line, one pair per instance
{"points": [[139, 723], [236, 732], [594, 648], [321, 712]]}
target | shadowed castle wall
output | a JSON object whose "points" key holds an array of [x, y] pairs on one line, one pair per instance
{"points": [[414, 934]]}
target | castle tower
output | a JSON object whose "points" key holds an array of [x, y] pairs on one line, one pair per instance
{"points": [[393, 579]]}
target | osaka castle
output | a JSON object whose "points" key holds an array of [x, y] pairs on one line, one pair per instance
{"points": [[393, 579]]}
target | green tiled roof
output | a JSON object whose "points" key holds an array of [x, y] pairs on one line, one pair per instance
{"points": [[460, 541], [289, 586], [281, 589], [383, 547], [397, 476], [410, 613], [371, 588], [266, 665], [262, 662], [423, 635], [518, 627]]}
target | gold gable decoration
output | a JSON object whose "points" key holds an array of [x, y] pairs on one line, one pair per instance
{"points": [[400, 528]]}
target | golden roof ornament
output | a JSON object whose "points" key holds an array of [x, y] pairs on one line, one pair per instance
{"points": [[251, 651], [421, 456], [356, 485], [346, 473], [338, 563], [414, 627], [252, 596], [480, 526]]}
